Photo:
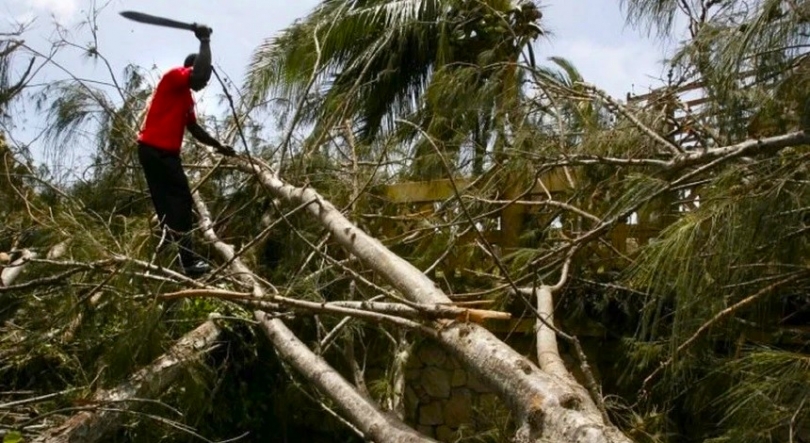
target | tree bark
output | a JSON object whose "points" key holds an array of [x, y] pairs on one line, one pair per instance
{"points": [[10, 273], [548, 353], [367, 417], [376, 425], [546, 408], [111, 405]]}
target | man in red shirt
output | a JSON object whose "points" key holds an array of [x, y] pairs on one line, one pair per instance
{"points": [[170, 112]]}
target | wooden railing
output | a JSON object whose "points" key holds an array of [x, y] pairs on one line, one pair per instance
{"points": [[418, 201]]}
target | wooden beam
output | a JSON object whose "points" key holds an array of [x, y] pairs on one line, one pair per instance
{"points": [[442, 189], [554, 181], [691, 86], [424, 191]]}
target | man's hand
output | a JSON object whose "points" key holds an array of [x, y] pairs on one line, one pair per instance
{"points": [[226, 150], [202, 32]]}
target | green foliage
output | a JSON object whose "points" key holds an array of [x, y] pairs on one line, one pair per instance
{"points": [[372, 63], [13, 437], [769, 400], [739, 244]]}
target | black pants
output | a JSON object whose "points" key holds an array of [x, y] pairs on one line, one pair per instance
{"points": [[171, 196]]}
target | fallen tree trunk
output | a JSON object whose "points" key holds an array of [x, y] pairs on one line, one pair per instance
{"points": [[367, 418], [109, 407], [546, 407]]}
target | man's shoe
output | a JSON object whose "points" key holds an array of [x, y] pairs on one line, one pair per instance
{"points": [[196, 269]]}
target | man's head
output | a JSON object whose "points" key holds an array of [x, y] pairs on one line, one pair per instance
{"points": [[189, 63]]}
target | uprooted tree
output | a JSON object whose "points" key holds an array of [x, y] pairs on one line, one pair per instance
{"points": [[452, 199]]}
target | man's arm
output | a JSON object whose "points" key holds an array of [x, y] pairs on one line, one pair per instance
{"points": [[201, 72], [202, 136]]}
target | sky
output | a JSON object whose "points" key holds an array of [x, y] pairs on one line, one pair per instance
{"points": [[590, 33]]}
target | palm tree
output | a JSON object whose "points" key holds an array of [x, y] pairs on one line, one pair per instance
{"points": [[374, 62]]}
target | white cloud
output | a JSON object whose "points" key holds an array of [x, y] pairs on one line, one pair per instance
{"points": [[593, 35], [618, 69], [62, 10]]}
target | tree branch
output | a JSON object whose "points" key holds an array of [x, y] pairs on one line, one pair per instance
{"points": [[534, 396], [714, 320], [363, 307], [91, 426], [363, 414]]}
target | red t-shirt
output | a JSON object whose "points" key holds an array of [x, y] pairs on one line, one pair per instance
{"points": [[169, 111]]}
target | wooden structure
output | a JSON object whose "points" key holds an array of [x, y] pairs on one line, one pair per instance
{"points": [[681, 109], [519, 211]]}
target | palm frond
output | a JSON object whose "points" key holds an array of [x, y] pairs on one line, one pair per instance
{"points": [[75, 107], [372, 60], [653, 15]]}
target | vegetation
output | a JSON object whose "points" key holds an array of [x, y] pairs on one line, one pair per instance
{"points": [[667, 237]]}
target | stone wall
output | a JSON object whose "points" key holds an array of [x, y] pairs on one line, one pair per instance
{"points": [[442, 399], [445, 401]]}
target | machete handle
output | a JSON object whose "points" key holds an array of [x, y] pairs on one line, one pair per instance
{"points": [[196, 26]]}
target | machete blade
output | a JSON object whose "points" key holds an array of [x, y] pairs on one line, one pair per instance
{"points": [[155, 20]]}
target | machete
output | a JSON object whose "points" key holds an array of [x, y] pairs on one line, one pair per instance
{"points": [[160, 21]]}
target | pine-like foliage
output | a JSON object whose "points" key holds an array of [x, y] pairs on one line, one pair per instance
{"points": [[683, 262]]}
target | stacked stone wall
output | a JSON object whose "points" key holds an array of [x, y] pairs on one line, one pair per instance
{"points": [[442, 399]]}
